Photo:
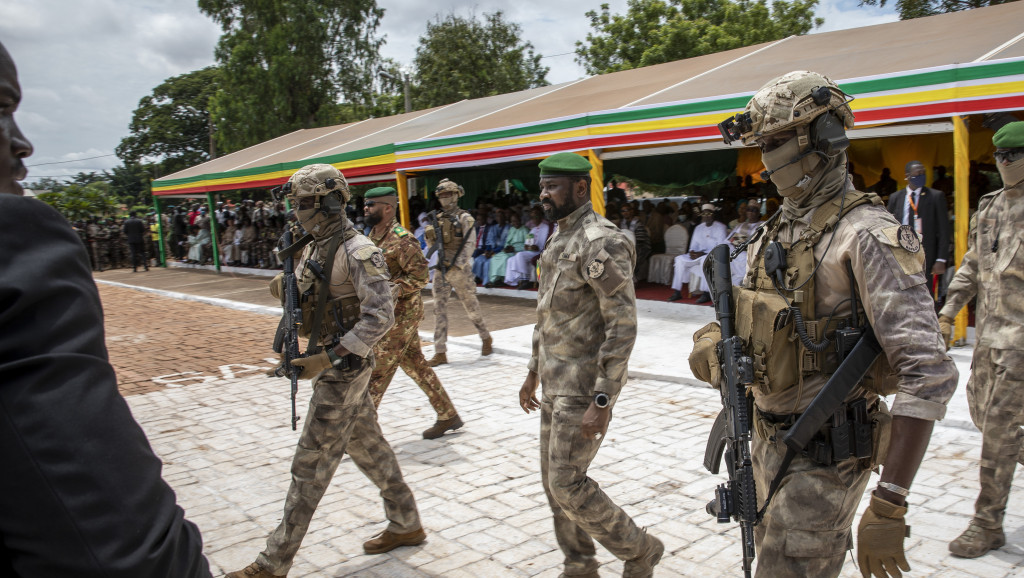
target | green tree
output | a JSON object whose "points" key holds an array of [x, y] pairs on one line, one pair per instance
{"points": [[658, 31], [82, 201], [287, 63], [908, 9], [461, 58], [172, 125]]}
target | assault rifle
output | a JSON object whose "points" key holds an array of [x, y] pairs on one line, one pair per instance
{"points": [[438, 247], [737, 498], [286, 340]]}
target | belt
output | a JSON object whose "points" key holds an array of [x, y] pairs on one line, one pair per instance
{"points": [[846, 435]]}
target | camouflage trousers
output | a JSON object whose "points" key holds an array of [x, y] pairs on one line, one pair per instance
{"points": [[995, 396], [582, 511], [340, 418], [807, 530], [401, 348], [465, 289]]}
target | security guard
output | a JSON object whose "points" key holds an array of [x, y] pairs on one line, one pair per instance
{"points": [[401, 346], [354, 314], [833, 256], [993, 269], [454, 270], [586, 327]]}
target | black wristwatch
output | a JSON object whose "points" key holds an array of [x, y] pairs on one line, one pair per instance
{"points": [[333, 357], [601, 400]]}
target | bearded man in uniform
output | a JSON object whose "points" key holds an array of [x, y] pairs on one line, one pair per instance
{"points": [[454, 270], [341, 416], [401, 346], [993, 270], [586, 328], [842, 258]]}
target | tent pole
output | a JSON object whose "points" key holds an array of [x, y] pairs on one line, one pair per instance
{"points": [[961, 212], [597, 181], [161, 244], [213, 231], [403, 198]]}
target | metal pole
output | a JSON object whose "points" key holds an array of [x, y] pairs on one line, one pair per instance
{"points": [[213, 231], [408, 100], [961, 172], [403, 198], [596, 181], [159, 229]]}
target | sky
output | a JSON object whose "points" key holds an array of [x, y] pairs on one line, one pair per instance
{"points": [[85, 64]]}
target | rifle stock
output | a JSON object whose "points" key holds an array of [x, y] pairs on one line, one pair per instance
{"points": [[737, 498]]}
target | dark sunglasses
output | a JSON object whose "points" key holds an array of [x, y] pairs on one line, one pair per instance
{"points": [[369, 203], [1009, 155]]}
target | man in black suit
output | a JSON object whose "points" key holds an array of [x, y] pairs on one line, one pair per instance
{"points": [[924, 210], [81, 492], [134, 232]]}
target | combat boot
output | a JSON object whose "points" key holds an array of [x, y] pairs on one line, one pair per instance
{"points": [[441, 426], [438, 359], [485, 349], [643, 565], [253, 570], [387, 541], [977, 541]]}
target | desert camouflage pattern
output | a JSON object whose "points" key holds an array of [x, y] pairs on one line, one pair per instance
{"points": [[892, 289], [785, 103], [586, 307], [401, 346], [995, 396], [450, 186], [458, 278], [582, 511], [808, 529], [310, 181], [995, 391], [995, 277], [341, 418]]}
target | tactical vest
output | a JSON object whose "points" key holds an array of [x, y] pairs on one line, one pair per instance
{"points": [[768, 325], [338, 314], [451, 232]]}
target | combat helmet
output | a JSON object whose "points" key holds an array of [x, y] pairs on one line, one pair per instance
{"points": [[795, 101], [317, 180], [452, 186]]}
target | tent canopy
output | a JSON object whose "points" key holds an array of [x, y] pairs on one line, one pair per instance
{"points": [[902, 72]]}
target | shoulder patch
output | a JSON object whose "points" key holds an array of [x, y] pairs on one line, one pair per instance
{"points": [[907, 238], [372, 259], [400, 231], [894, 237]]}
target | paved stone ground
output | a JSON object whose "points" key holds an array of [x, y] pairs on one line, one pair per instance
{"points": [[223, 436]]}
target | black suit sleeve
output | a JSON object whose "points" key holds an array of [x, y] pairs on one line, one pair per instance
{"points": [[942, 222], [81, 492], [895, 205]]}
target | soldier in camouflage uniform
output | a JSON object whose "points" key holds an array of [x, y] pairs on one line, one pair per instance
{"points": [[993, 270], [586, 311], [401, 346], [93, 233], [827, 231], [341, 417], [454, 269]]}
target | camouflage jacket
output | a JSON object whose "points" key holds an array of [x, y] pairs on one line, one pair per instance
{"points": [[891, 286], [993, 269], [408, 268], [586, 307]]}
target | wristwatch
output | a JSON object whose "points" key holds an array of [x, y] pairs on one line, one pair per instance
{"points": [[601, 400], [333, 357]]}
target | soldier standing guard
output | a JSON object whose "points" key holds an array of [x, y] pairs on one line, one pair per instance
{"points": [[355, 314], [401, 346], [454, 267], [993, 269], [833, 256], [586, 327]]}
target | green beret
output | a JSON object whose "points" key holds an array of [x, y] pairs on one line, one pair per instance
{"points": [[1011, 136], [381, 192], [564, 164]]}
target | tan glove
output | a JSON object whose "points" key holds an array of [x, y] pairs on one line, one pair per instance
{"points": [[946, 329], [277, 285], [703, 358], [880, 540], [312, 366]]}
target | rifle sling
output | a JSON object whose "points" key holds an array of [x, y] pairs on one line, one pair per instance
{"points": [[325, 288], [850, 372], [295, 247]]}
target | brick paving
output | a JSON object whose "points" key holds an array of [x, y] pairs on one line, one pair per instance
{"points": [[224, 438]]}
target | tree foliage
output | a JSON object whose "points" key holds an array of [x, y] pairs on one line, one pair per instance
{"points": [[460, 58], [172, 125], [908, 9], [286, 63], [82, 201], [658, 31]]}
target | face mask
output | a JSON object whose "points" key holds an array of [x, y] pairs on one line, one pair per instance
{"points": [[790, 172], [310, 219], [916, 182], [1012, 174], [449, 203]]}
